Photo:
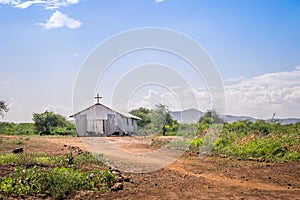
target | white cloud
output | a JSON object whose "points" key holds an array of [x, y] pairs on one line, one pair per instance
{"points": [[27, 4], [158, 1], [22, 112], [259, 96], [58, 20], [264, 95], [176, 98], [9, 2], [17, 112], [154, 97], [47, 4], [59, 109]]}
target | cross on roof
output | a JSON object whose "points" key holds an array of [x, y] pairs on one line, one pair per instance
{"points": [[98, 97]]}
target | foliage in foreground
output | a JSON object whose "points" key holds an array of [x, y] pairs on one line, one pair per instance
{"points": [[260, 139], [59, 179], [274, 142], [84, 159], [270, 141], [58, 182]]}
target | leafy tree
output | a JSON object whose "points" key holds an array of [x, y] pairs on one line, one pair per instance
{"points": [[209, 118], [51, 123], [262, 126], [144, 114], [162, 120], [154, 120], [212, 117], [3, 108]]}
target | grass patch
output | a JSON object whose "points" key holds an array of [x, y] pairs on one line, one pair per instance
{"points": [[58, 182], [180, 144], [19, 142], [271, 148], [84, 159]]}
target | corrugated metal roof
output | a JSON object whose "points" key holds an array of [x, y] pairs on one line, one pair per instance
{"points": [[128, 115]]}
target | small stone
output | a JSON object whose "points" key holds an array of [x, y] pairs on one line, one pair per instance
{"points": [[18, 150], [126, 178], [260, 159], [115, 172], [251, 159], [120, 179], [117, 186]]}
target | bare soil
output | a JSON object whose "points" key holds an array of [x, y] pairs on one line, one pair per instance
{"points": [[189, 177]]}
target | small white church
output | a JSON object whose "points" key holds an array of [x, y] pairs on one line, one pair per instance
{"points": [[99, 120]]}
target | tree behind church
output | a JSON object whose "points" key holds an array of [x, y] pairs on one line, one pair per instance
{"points": [[49, 123]]}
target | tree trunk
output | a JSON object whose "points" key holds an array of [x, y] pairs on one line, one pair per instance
{"points": [[164, 130]]}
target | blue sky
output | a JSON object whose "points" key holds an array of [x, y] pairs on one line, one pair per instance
{"points": [[255, 45]]}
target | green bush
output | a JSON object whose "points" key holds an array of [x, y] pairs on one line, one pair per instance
{"points": [[10, 128], [9, 159], [273, 149], [195, 144], [222, 143], [244, 139]]}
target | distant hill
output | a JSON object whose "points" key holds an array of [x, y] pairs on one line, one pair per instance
{"points": [[232, 118], [187, 116], [288, 120], [193, 115]]}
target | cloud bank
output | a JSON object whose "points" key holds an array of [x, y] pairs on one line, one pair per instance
{"points": [[47, 4], [259, 96]]}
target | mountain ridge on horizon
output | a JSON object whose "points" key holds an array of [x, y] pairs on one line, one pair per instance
{"points": [[192, 115]]}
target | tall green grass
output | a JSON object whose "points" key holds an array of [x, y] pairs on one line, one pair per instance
{"points": [[59, 182]]}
